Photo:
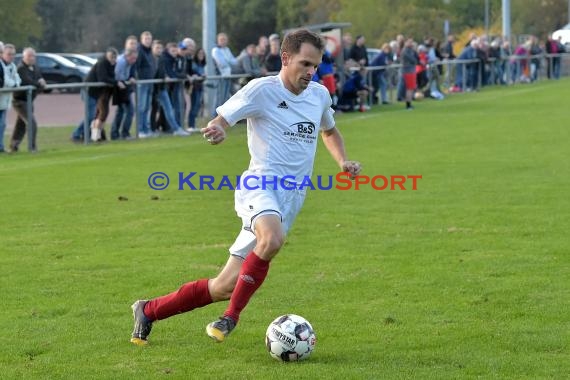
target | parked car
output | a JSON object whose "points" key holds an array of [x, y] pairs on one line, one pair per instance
{"points": [[57, 70], [80, 59], [564, 33]]}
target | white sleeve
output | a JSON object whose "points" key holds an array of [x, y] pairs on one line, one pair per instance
{"points": [[327, 120], [243, 105]]}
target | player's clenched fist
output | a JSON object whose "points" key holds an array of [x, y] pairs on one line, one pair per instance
{"points": [[351, 167], [214, 133]]}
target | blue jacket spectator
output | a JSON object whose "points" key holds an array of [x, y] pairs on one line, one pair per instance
{"points": [[145, 65]]}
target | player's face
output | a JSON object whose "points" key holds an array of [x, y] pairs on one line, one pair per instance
{"points": [[299, 68]]}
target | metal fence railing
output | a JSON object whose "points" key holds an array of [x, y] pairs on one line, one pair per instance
{"points": [[473, 73], [450, 73]]}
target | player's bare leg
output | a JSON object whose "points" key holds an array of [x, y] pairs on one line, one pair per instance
{"points": [[270, 237]]}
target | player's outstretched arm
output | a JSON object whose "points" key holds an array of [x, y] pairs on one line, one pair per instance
{"points": [[215, 131], [335, 145]]}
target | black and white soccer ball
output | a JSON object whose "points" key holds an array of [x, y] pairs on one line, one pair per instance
{"points": [[290, 338]]}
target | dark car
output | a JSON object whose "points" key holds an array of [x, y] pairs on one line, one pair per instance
{"points": [[57, 70], [80, 59]]}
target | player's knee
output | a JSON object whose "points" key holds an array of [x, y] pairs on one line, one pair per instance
{"points": [[270, 245]]}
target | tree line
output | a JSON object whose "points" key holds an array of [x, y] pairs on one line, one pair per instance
{"points": [[92, 25]]}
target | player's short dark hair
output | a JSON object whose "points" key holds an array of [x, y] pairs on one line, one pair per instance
{"points": [[293, 41]]}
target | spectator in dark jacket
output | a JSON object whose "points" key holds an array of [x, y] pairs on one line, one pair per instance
{"points": [[145, 68], [379, 79], [162, 100], [447, 51], [102, 71], [354, 88], [273, 59], [553, 47], [358, 51], [31, 76]]}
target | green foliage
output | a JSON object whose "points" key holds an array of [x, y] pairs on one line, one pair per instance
{"points": [[92, 25], [291, 13], [245, 21], [19, 23]]}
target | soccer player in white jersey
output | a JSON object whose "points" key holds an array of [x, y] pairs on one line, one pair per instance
{"points": [[285, 114]]}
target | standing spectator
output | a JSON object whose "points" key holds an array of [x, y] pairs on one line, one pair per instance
{"points": [[189, 53], [125, 75], [97, 98], [185, 52], [9, 78], [161, 95], [379, 78], [433, 68], [105, 72], [448, 55], [421, 68], [224, 60], [275, 37], [199, 74], [401, 86], [131, 43], [175, 68], [520, 63], [145, 68], [31, 76], [248, 63], [273, 59], [346, 45], [447, 50], [496, 62], [409, 61], [325, 75], [536, 56], [506, 52], [482, 65], [261, 54], [466, 70], [553, 47], [263, 45], [358, 51], [263, 41]]}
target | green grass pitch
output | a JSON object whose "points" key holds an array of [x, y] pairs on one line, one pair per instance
{"points": [[467, 277]]}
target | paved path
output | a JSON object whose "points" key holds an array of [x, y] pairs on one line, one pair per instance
{"points": [[57, 110]]}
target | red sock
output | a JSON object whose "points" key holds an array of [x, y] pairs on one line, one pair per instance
{"points": [[251, 276], [190, 296]]}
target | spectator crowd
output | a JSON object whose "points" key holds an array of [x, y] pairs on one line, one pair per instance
{"points": [[149, 78]]}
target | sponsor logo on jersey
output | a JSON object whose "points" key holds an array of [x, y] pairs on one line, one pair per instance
{"points": [[283, 105], [303, 131]]}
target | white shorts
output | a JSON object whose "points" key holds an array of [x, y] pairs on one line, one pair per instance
{"points": [[251, 204]]}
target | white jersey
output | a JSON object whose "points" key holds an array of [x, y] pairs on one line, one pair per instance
{"points": [[282, 128]]}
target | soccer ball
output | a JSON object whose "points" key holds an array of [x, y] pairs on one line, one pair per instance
{"points": [[290, 338]]}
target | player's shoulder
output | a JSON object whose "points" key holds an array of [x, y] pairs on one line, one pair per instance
{"points": [[258, 85], [317, 89]]}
